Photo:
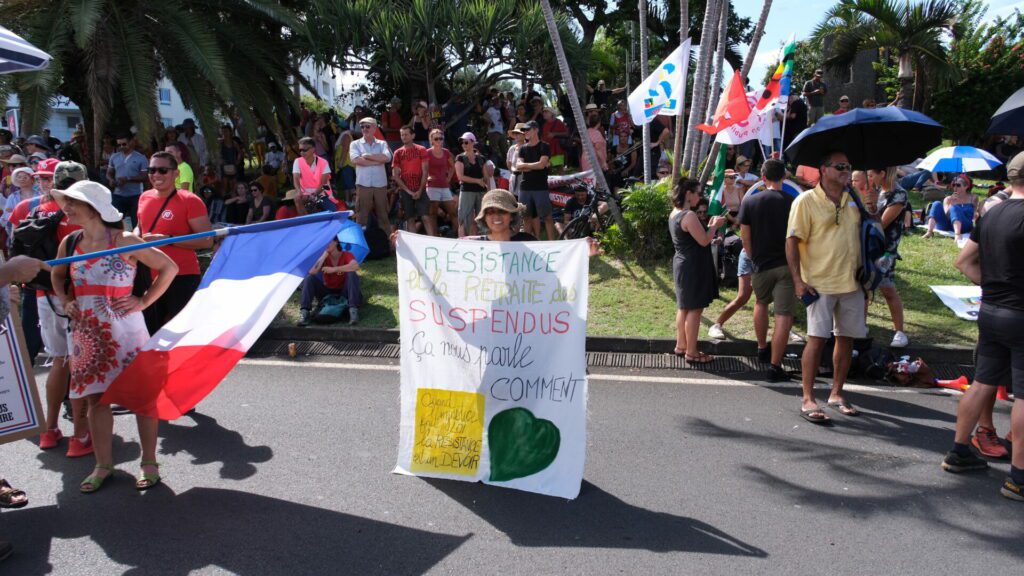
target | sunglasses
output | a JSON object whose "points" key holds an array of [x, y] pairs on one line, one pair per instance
{"points": [[464, 142], [437, 139], [160, 169], [841, 167], [306, 149]]}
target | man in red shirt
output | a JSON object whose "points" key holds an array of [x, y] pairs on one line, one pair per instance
{"points": [[334, 273], [53, 323], [165, 212], [409, 172]]}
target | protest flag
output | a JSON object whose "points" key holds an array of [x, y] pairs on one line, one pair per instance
{"points": [[248, 282], [779, 86], [715, 206], [732, 109], [663, 92]]}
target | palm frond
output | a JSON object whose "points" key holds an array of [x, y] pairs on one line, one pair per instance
{"points": [[84, 15], [138, 73]]}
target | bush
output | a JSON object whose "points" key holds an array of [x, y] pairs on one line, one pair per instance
{"points": [[646, 211]]}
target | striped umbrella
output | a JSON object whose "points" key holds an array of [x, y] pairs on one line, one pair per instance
{"points": [[959, 159], [17, 55], [1009, 118]]}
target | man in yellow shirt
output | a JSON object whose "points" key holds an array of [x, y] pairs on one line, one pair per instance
{"points": [[823, 252]]}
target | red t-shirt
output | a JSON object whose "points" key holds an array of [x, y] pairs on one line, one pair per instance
{"points": [[286, 212], [47, 208], [437, 169], [184, 206], [392, 120], [555, 125], [337, 281], [410, 162]]}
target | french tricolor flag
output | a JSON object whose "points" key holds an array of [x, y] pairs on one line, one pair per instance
{"points": [[255, 271]]}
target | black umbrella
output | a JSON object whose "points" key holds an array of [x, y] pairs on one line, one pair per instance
{"points": [[871, 138], [1009, 119]]}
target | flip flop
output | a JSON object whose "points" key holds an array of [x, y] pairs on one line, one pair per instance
{"points": [[844, 408], [11, 497], [807, 415], [700, 358]]}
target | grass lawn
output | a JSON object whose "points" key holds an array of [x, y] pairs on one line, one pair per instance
{"points": [[631, 300]]}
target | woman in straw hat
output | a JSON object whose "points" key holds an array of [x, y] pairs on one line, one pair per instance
{"points": [[107, 324], [502, 216]]}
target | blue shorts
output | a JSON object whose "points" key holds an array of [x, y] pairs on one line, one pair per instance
{"points": [[745, 266], [538, 203]]}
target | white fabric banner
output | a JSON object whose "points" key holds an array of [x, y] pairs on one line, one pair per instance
{"points": [[964, 301], [756, 126], [664, 91], [493, 362]]}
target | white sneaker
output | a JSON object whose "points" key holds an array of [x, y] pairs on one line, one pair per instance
{"points": [[715, 332], [795, 338], [899, 340]]}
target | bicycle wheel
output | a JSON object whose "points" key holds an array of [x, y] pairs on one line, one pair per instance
{"points": [[578, 227]]}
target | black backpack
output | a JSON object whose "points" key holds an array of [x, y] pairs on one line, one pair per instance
{"points": [[36, 237], [377, 241]]}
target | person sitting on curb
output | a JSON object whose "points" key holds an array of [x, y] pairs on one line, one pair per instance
{"points": [[335, 272]]}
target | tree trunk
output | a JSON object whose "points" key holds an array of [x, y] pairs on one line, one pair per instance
{"points": [[716, 84], [644, 71], [906, 77], [700, 81], [577, 109], [748, 63], [677, 147]]}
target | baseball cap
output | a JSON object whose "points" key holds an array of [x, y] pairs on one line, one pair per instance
{"points": [[591, 106], [69, 170], [1015, 168], [844, 98], [46, 167], [532, 124], [39, 155], [468, 137], [369, 120]]}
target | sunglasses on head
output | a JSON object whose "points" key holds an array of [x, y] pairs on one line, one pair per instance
{"points": [[841, 167], [160, 169]]}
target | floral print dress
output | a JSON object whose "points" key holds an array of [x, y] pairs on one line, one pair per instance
{"points": [[103, 342]]}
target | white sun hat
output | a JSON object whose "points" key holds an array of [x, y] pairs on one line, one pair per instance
{"points": [[94, 194]]}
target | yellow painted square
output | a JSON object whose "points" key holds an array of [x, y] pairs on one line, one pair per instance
{"points": [[449, 432]]}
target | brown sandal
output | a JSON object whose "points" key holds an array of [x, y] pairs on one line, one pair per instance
{"points": [[11, 497], [700, 358]]}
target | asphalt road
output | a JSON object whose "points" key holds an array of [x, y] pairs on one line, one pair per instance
{"points": [[286, 469]]}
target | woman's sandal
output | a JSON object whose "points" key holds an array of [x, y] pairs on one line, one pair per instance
{"points": [[678, 352], [94, 482], [700, 358], [11, 497], [147, 480]]}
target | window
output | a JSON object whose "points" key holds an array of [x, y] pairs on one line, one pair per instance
{"points": [[167, 122], [326, 91], [73, 122], [165, 96]]}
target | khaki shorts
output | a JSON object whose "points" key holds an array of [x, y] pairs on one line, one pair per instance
{"points": [[775, 285], [841, 313], [54, 327]]}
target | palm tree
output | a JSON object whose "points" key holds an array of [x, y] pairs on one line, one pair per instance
{"points": [[700, 81], [109, 56], [912, 30], [644, 71], [716, 84], [677, 147], [574, 102]]}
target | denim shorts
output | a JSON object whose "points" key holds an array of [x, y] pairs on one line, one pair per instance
{"points": [[744, 266]]}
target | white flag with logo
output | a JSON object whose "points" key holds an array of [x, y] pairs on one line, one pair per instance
{"points": [[664, 91], [758, 125]]}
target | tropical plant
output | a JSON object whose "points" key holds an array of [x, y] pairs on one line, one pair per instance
{"points": [[913, 31], [109, 55], [647, 208]]}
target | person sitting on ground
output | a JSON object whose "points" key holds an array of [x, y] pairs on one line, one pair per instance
{"points": [[260, 207], [956, 213], [579, 205], [732, 195], [335, 272], [286, 209], [744, 177]]}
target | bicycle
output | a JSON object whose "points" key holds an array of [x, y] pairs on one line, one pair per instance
{"points": [[591, 219]]}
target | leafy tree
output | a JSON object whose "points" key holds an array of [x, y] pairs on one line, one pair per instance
{"points": [[991, 57], [109, 55], [914, 31]]}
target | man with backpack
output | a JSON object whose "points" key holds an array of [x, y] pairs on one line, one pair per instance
{"points": [[39, 227], [823, 250]]}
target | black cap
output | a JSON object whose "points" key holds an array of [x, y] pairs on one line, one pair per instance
{"points": [[530, 125]]}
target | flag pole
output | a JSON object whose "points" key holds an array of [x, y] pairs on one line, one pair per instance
{"points": [[219, 233]]}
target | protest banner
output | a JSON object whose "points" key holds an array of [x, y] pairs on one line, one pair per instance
{"points": [[964, 301], [493, 362], [21, 414]]}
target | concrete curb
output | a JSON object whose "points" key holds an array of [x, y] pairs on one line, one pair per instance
{"points": [[931, 354]]}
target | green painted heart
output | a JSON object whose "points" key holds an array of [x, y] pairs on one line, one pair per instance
{"points": [[521, 444]]}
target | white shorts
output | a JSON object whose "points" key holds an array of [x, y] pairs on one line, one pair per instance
{"points": [[841, 313], [439, 194], [55, 329]]}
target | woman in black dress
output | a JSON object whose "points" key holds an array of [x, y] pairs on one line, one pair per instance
{"points": [[692, 267]]}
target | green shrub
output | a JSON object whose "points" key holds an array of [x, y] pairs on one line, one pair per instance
{"points": [[646, 211]]}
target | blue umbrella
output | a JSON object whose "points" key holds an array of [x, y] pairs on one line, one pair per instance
{"points": [[958, 159], [17, 55], [1009, 118], [352, 240], [871, 138]]}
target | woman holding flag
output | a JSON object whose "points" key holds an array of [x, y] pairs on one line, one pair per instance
{"points": [[108, 328]]}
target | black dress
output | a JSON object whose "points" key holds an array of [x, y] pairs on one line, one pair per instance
{"points": [[693, 268]]}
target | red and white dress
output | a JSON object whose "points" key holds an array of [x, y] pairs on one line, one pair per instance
{"points": [[103, 342]]}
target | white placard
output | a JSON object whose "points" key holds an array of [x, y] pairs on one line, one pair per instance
{"points": [[493, 359], [21, 414], [964, 301]]}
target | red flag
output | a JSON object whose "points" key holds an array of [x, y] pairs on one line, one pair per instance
{"points": [[733, 109], [773, 90]]}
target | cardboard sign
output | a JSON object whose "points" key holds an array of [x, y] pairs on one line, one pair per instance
{"points": [[21, 414], [494, 384]]}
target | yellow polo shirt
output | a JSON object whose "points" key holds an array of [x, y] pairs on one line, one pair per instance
{"points": [[829, 252]]}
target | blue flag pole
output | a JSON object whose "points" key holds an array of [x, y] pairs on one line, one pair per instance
{"points": [[229, 231]]}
